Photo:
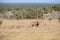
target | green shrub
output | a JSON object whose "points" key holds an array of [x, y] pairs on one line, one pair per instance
{"points": [[59, 19], [1, 22]]}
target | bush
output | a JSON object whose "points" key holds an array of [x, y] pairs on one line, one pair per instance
{"points": [[0, 22], [59, 19], [50, 19], [56, 8]]}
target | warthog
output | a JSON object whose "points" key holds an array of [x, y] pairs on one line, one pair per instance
{"points": [[36, 23]]}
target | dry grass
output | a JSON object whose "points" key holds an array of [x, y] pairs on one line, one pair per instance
{"points": [[22, 30]]}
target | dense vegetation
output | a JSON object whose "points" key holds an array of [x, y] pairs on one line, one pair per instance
{"points": [[26, 13]]}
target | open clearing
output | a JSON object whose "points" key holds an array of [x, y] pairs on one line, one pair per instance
{"points": [[22, 30]]}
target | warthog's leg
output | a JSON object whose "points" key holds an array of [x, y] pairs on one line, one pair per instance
{"points": [[32, 25]]}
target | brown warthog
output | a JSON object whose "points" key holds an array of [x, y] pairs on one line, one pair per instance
{"points": [[35, 23]]}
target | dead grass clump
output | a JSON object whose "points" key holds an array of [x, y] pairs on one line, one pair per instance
{"points": [[3, 37]]}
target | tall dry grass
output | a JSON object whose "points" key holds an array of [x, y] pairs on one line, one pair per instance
{"points": [[22, 30]]}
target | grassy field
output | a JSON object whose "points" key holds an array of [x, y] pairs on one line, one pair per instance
{"points": [[22, 30]]}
